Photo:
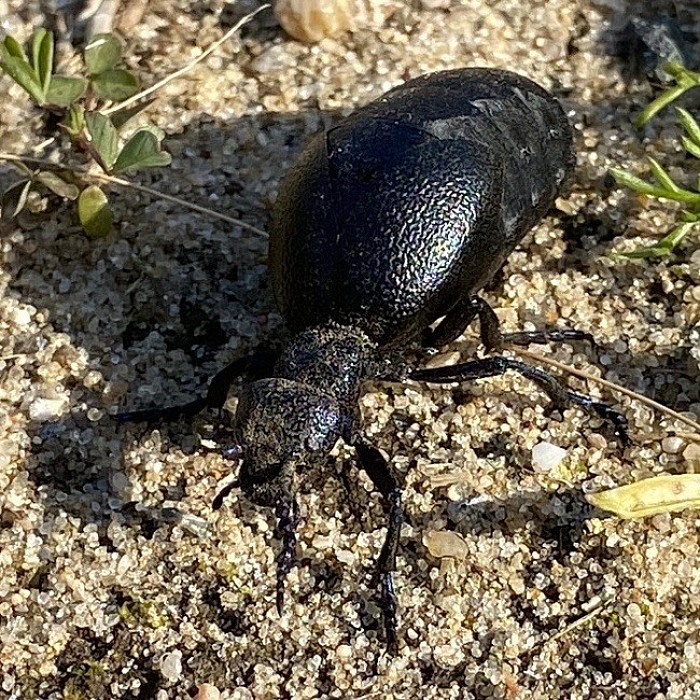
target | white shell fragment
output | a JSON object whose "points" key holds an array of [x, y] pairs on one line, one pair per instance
{"points": [[546, 457], [659, 494], [313, 20], [444, 543]]}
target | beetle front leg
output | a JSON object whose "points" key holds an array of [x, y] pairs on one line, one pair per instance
{"points": [[457, 320], [256, 365], [497, 365], [377, 468]]}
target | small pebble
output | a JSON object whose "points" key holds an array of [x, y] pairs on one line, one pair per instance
{"points": [[547, 457], [691, 454], [47, 409], [171, 666], [445, 544], [207, 691], [672, 444]]}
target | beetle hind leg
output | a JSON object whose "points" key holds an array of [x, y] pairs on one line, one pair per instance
{"points": [[386, 483], [497, 365]]}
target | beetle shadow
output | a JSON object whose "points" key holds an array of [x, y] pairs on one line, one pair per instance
{"points": [[73, 458]]}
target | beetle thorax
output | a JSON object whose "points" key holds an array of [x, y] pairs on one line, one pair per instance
{"points": [[295, 417]]}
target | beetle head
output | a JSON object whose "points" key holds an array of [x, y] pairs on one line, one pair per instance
{"points": [[281, 425]]}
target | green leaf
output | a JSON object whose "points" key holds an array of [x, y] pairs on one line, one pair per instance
{"points": [[23, 74], [42, 56], [57, 185], [74, 120], [662, 101], [122, 116], [661, 176], [63, 91], [690, 146], [13, 48], [115, 85], [142, 150], [663, 247], [692, 128], [14, 198], [103, 136], [635, 183], [102, 53], [94, 212]]}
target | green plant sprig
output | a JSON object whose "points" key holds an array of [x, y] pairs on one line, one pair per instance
{"points": [[684, 80], [663, 186], [89, 129]]}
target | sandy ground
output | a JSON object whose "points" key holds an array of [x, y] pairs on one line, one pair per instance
{"points": [[116, 578]]}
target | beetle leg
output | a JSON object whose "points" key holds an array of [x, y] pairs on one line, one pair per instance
{"points": [[256, 365], [460, 317], [377, 468], [287, 513], [497, 365]]}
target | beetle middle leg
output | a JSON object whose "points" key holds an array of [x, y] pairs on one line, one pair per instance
{"points": [[378, 470], [461, 316], [497, 365], [256, 365]]}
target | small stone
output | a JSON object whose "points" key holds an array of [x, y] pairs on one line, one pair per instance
{"points": [[207, 691], [171, 666], [597, 441], [47, 409], [442, 544], [546, 457], [691, 454], [344, 651], [672, 444], [22, 317]]}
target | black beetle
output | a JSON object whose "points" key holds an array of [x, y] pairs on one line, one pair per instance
{"points": [[391, 220]]}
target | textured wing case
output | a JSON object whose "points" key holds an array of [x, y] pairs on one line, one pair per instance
{"points": [[415, 200]]}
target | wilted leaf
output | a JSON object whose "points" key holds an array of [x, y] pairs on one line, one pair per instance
{"points": [[115, 85], [102, 53], [14, 198], [57, 184], [94, 212], [23, 74], [142, 150], [64, 90], [103, 136], [659, 494]]}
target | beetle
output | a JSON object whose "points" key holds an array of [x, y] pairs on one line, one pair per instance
{"points": [[392, 220]]}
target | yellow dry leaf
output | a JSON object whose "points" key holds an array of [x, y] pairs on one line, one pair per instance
{"points": [[659, 494]]}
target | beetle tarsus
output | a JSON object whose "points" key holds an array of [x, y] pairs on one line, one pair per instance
{"points": [[287, 512]]}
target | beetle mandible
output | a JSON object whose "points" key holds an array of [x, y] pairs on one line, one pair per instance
{"points": [[390, 221]]}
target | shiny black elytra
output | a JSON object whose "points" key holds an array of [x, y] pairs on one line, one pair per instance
{"points": [[388, 222]]}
